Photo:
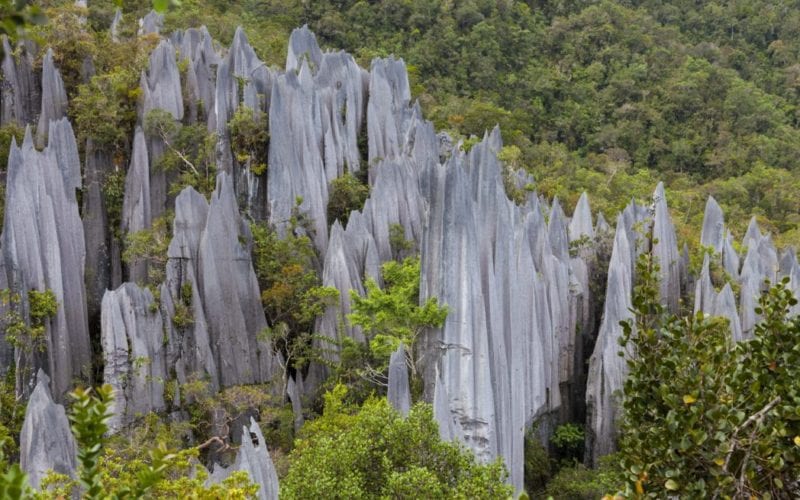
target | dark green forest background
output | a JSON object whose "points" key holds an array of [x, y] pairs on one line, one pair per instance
{"points": [[608, 97]]}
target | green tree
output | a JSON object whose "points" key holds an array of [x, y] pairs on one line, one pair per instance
{"points": [[190, 151], [291, 292], [347, 194], [373, 452], [703, 415], [392, 315]]}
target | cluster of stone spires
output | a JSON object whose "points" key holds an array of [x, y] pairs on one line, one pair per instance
{"points": [[516, 278]]}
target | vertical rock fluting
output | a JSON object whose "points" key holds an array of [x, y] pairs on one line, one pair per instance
{"points": [[133, 352], [54, 98], [197, 48], [505, 276], [607, 370], [398, 393], [189, 353], [97, 234], [665, 251], [254, 459], [242, 80], [44, 249], [19, 93], [231, 299], [297, 171], [161, 90], [136, 213], [388, 111], [46, 441]]}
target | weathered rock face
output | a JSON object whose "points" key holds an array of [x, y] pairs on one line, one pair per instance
{"points": [[231, 298], [153, 22], [134, 353], [43, 249], [517, 279], [713, 231], [512, 306], [388, 110], [197, 47], [189, 354], [136, 213], [296, 167], [162, 83], [46, 441], [607, 370], [254, 459], [399, 393], [239, 65], [20, 93], [302, 47], [54, 98], [98, 276], [161, 89], [666, 251]]}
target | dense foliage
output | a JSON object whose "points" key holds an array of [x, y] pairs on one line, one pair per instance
{"points": [[373, 452], [702, 414], [392, 316]]}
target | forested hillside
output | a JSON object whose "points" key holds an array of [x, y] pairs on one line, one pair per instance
{"points": [[399, 249], [608, 97]]}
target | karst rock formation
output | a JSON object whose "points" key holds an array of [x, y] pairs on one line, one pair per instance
{"points": [[530, 335]]}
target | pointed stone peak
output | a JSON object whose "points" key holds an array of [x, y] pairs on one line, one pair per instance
{"points": [[713, 225], [303, 46], [753, 234], [581, 223]]}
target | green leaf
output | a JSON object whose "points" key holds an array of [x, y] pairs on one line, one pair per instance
{"points": [[160, 5], [671, 485]]}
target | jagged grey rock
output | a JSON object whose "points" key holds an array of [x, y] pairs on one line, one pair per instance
{"points": [[388, 110], [581, 223], [730, 258], [189, 349], [704, 294], [296, 166], [46, 441], [712, 234], [231, 298], [161, 85], [302, 47], [241, 64], [197, 48], [134, 353], [399, 392], [136, 213], [19, 93], [753, 234], [115, 25], [54, 98], [341, 88], [254, 459], [607, 370], [152, 23], [666, 251], [602, 225], [96, 230], [295, 391], [512, 306], [44, 249], [725, 306]]}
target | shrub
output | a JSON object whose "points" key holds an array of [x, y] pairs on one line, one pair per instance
{"points": [[373, 452], [346, 194]]}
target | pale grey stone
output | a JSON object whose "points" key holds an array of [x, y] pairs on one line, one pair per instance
{"points": [[134, 353], [46, 442]]}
